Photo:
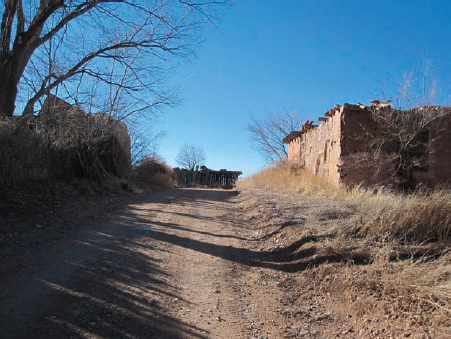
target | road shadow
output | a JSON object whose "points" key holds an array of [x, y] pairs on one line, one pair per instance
{"points": [[282, 261], [108, 281], [289, 259]]}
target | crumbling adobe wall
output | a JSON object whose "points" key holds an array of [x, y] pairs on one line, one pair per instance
{"points": [[318, 148], [439, 157], [294, 149], [339, 150], [335, 148], [71, 130], [116, 147], [356, 165]]}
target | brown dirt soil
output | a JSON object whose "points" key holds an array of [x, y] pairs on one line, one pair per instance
{"points": [[193, 263]]}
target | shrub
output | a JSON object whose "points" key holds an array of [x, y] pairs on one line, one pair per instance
{"points": [[24, 154], [154, 172]]}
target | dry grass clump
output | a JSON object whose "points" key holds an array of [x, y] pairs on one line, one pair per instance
{"points": [[415, 218], [288, 179], [418, 289], [154, 172], [406, 237], [411, 296]]}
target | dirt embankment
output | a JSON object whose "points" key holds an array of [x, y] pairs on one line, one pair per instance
{"points": [[200, 263]]}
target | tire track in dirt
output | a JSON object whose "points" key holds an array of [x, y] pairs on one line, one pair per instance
{"points": [[201, 242], [229, 289]]}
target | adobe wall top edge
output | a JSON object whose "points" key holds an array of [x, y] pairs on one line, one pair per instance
{"points": [[375, 104], [290, 137]]}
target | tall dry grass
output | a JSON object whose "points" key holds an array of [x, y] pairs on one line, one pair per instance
{"points": [[382, 214], [287, 178], [413, 218]]}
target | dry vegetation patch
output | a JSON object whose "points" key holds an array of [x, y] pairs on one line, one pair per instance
{"points": [[381, 258], [411, 219], [155, 173]]}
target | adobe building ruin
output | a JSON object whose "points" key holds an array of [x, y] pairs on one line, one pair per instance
{"points": [[69, 128], [336, 148]]}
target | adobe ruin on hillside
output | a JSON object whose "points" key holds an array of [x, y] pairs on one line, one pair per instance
{"points": [[94, 140], [63, 141], [336, 149]]}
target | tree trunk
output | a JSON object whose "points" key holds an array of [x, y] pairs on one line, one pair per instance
{"points": [[10, 74], [14, 60], [8, 89], [8, 93]]}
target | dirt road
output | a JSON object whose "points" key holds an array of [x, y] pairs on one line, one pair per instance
{"points": [[196, 263], [171, 265]]}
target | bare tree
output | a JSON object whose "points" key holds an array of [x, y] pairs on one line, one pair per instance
{"points": [[401, 136], [144, 140], [268, 131], [190, 156], [84, 37]]}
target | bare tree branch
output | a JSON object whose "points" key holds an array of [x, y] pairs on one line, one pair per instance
{"points": [[190, 156], [268, 131], [145, 32]]}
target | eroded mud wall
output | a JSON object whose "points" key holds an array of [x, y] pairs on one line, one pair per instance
{"points": [[335, 148], [318, 149], [438, 170], [338, 149], [356, 165]]}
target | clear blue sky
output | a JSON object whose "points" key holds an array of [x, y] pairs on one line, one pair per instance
{"points": [[306, 55]]}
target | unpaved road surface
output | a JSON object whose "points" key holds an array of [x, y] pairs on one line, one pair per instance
{"points": [[171, 265], [193, 263]]}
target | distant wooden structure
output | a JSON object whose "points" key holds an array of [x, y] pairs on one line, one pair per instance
{"points": [[207, 177]]}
